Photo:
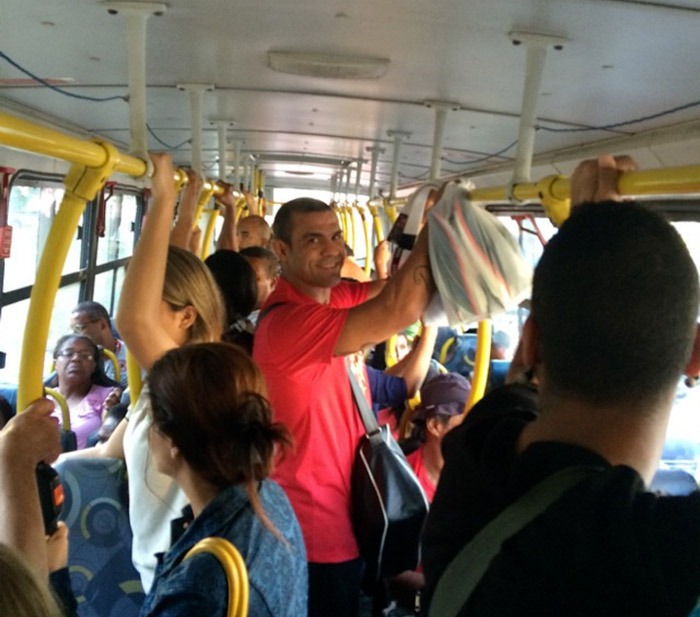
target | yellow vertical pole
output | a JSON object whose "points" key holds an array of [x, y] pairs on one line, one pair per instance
{"points": [[482, 361], [209, 233], [378, 229], [368, 241], [351, 216], [133, 377], [82, 184]]}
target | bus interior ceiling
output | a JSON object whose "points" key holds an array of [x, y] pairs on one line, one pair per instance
{"points": [[620, 60]]}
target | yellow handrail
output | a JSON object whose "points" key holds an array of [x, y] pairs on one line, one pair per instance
{"points": [[482, 361], [209, 233], [133, 377], [60, 399], [82, 184], [368, 240], [234, 568], [112, 357], [25, 135], [671, 181]]}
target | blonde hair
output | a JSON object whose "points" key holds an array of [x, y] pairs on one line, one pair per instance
{"points": [[23, 593], [188, 282]]}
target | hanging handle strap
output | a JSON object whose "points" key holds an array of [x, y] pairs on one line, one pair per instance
{"points": [[234, 568], [466, 570], [368, 419]]}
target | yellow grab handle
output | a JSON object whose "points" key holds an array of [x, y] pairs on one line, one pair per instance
{"points": [[111, 356], [65, 412], [235, 569], [133, 376], [482, 361], [209, 233]]}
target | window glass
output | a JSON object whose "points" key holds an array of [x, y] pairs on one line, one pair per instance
{"points": [[12, 325], [103, 289], [31, 212], [120, 272], [682, 446], [118, 240]]}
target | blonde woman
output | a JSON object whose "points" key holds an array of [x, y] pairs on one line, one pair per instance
{"points": [[168, 299]]}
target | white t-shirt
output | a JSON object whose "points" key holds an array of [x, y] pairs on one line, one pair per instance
{"points": [[154, 498]]}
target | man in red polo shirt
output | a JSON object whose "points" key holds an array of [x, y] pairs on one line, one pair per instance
{"points": [[309, 323]]}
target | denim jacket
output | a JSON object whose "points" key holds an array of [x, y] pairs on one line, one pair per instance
{"points": [[276, 571]]}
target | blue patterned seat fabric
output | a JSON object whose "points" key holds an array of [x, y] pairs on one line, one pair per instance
{"points": [[103, 577]]}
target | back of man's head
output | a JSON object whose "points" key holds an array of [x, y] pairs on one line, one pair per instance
{"points": [[615, 299], [253, 230], [93, 311], [282, 226]]}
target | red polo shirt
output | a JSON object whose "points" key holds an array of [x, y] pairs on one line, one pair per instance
{"points": [[310, 394]]}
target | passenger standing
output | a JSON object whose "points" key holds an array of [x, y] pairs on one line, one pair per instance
{"points": [[169, 298], [614, 305], [212, 432], [314, 320], [92, 319]]}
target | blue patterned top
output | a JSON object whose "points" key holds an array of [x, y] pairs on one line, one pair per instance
{"points": [[276, 571]]}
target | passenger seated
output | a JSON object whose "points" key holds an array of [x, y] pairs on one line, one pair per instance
{"points": [[212, 432], [614, 305], [83, 383], [168, 299], [92, 320], [443, 399]]}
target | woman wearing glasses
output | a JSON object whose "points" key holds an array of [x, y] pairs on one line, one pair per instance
{"points": [[84, 385]]}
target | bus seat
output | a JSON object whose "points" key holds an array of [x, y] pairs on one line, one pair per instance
{"points": [[95, 509], [497, 372], [673, 482]]}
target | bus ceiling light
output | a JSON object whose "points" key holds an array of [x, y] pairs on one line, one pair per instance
{"points": [[327, 66]]}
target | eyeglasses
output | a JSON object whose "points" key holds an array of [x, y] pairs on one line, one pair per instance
{"points": [[69, 354], [81, 327]]}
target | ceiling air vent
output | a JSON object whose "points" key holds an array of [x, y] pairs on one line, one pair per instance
{"points": [[327, 66]]}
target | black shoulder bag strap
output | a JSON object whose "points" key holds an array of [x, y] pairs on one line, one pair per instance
{"points": [[368, 419], [466, 570], [267, 311]]}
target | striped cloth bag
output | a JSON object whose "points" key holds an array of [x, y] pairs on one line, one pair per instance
{"points": [[477, 264]]}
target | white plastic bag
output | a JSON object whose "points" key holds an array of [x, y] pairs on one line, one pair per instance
{"points": [[477, 265]]}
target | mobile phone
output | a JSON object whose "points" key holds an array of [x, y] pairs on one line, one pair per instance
{"points": [[50, 496]]}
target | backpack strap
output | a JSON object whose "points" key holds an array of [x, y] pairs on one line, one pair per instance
{"points": [[466, 570]]}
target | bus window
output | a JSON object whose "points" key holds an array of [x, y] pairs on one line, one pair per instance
{"points": [[14, 319], [31, 211], [118, 240], [682, 447]]}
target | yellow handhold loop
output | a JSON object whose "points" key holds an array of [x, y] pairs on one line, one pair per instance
{"points": [[556, 208]]}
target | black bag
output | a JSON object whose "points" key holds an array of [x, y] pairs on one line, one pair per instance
{"points": [[389, 506]]}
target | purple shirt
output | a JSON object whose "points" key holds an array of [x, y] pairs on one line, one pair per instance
{"points": [[86, 416]]}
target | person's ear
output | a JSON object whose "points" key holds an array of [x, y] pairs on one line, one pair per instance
{"points": [[187, 317], [279, 248], [530, 341], [433, 426]]}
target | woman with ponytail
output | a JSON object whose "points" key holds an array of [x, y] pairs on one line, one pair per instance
{"points": [[212, 432]]}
